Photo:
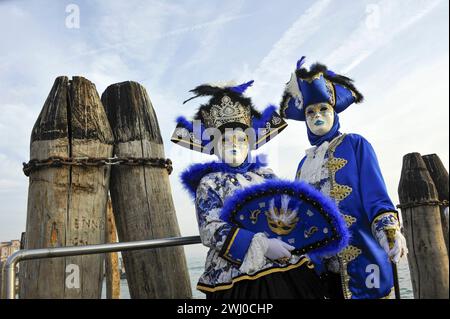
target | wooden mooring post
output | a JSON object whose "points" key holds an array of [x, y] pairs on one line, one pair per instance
{"points": [[419, 203], [141, 196], [67, 203], [2, 281], [439, 175], [112, 273]]}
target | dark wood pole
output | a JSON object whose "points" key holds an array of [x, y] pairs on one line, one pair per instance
{"points": [[142, 198], [428, 258], [67, 204], [439, 175]]}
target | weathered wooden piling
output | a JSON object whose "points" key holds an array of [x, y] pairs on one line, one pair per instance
{"points": [[112, 273], [439, 175], [141, 196], [2, 281], [428, 258], [67, 203]]}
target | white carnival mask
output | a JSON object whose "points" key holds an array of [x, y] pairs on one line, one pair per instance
{"points": [[319, 118], [233, 147]]}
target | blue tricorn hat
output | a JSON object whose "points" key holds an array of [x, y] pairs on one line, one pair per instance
{"points": [[227, 108], [318, 85]]}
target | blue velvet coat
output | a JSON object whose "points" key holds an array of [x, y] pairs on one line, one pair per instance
{"points": [[347, 170]]}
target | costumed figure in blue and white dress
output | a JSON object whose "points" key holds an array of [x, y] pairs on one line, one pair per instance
{"points": [[239, 263], [345, 167]]}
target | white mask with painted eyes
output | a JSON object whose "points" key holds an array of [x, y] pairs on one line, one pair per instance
{"points": [[319, 118], [233, 147]]}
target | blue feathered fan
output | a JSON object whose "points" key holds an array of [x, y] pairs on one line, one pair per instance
{"points": [[294, 212]]}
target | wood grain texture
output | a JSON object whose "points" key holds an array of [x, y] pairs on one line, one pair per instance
{"points": [[112, 272], [67, 205], [428, 257], [2, 281], [142, 198], [439, 175]]}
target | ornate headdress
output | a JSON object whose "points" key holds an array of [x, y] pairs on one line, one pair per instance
{"points": [[227, 108], [318, 85]]}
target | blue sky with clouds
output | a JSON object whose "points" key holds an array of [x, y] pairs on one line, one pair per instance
{"points": [[397, 52]]}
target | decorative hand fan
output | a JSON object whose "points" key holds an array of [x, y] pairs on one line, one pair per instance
{"points": [[294, 212]]}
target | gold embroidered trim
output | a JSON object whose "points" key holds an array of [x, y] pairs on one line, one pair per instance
{"points": [[256, 276], [350, 253], [314, 77], [227, 251], [376, 219], [331, 91], [340, 192], [336, 164], [185, 142], [270, 133], [297, 176], [349, 220]]}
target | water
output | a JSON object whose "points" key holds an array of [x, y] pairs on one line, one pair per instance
{"points": [[404, 280], [196, 266]]}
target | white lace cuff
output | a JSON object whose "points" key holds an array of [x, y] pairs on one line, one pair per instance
{"points": [[254, 259]]}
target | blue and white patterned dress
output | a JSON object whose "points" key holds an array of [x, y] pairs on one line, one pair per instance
{"points": [[235, 254]]}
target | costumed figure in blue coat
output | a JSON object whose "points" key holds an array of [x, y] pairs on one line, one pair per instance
{"points": [[239, 263], [345, 167]]}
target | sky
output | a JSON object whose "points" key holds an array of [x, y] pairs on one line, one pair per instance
{"points": [[397, 51]]}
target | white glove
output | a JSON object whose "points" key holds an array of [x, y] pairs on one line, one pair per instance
{"points": [[398, 249], [277, 249], [386, 228]]}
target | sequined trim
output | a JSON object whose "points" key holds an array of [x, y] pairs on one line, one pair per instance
{"points": [[225, 112]]}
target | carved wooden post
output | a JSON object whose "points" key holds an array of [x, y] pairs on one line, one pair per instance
{"points": [[141, 196], [439, 175], [112, 259], [428, 258], [67, 204]]}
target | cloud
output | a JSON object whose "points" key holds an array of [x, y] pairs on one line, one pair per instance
{"points": [[275, 67], [164, 37], [383, 22]]}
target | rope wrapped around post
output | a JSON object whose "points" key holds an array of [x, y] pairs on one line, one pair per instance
{"points": [[58, 161], [423, 203]]}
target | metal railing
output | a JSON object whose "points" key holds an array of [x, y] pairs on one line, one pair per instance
{"points": [[29, 254]]}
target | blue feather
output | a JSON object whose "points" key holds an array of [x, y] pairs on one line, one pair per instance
{"points": [[241, 88], [183, 122], [191, 177], [301, 187], [301, 62], [265, 117]]}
